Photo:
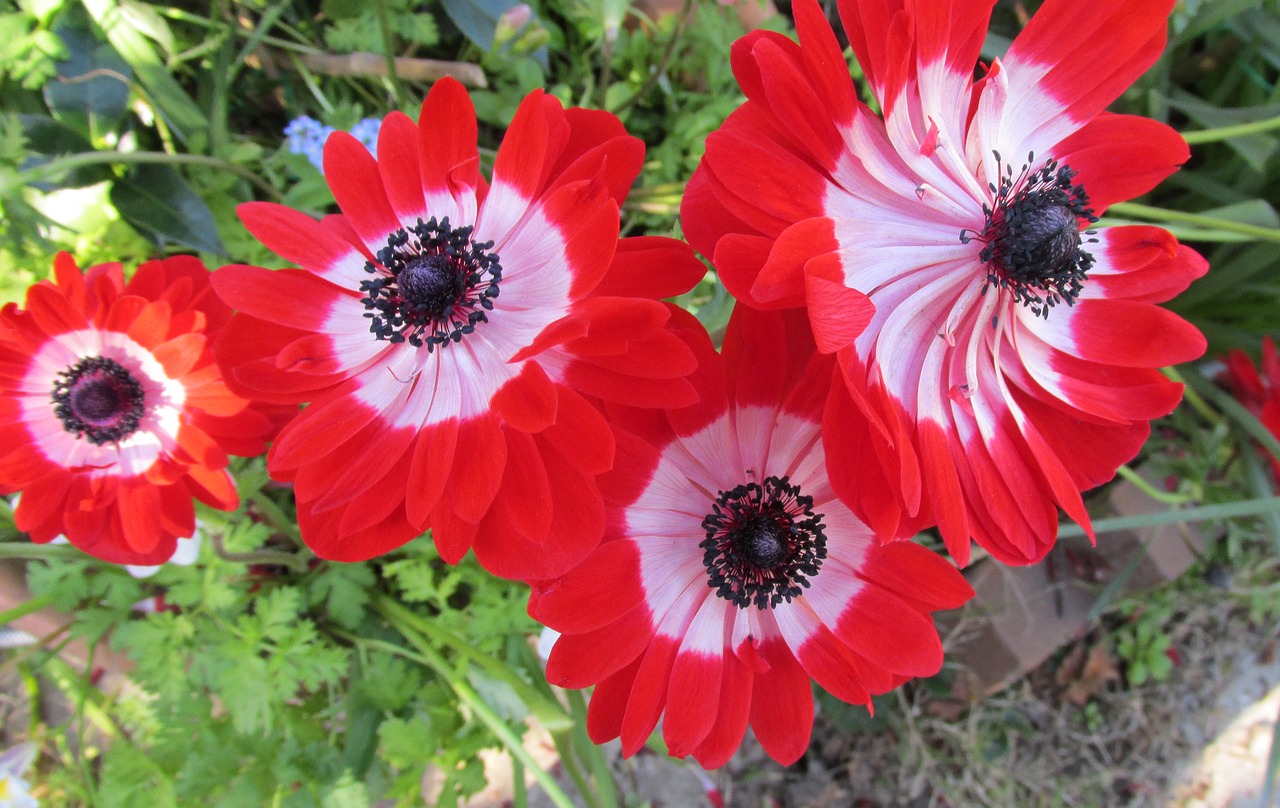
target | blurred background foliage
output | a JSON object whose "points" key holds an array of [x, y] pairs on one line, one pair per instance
{"points": [[132, 128]]}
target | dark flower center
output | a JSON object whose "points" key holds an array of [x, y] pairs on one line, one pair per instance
{"points": [[1032, 236], [98, 400], [432, 285], [764, 543]]}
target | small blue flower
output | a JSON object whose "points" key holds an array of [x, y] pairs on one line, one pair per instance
{"points": [[305, 135], [366, 131]]}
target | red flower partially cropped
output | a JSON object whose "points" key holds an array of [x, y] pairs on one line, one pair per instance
{"points": [[113, 412], [1003, 353], [445, 332], [731, 573], [1259, 393]]}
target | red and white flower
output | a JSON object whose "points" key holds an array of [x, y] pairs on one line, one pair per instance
{"points": [[445, 332], [1004, 354], [731, 573], [113, 411]]}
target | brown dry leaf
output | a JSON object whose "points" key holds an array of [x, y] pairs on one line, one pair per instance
{"points": [[1094, 675]]}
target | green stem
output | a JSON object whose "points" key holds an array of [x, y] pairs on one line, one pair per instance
{"points": [[388, 50], [275, 515], [1227, 132], [43, 552], [23, 609], [1162, 215], [428, 656], [1192, 396], [295, 563], [1200, 513], [1150, 490], [606, 788], [74, 161], [548, 711]]}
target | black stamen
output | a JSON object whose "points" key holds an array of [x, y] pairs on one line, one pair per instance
{"points": [[1032, 237], [98, 400], [433, 285], [764, 543]]}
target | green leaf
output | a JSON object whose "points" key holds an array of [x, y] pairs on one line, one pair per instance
{"points": [[159, 203], [130, 778], [477, 19], [344, 589], [278, 610], [407, 743], [120, 22], [49, 138], [91, 90]]}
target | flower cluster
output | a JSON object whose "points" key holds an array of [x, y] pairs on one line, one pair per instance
{"points": [[306, 136], [930, 332]]}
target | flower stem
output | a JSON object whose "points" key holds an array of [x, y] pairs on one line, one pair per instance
{"points": [[43, 552], [1209, 222], [74, 161], [23, 609], [1147, 488], [1200, 513], [606, 788], [548, 711], [424, 654], [1227, 132], [294, 562], [388, 50]]}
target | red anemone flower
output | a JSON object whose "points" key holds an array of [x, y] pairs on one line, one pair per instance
{"points": [[1259, 393], [446, 331], [731, 573], [1004, 354], [113, 412]]}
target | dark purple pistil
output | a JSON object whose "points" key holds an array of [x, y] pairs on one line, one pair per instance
{"points": [[432, 285], [763, 544], [1033, 244], [98, 400]]}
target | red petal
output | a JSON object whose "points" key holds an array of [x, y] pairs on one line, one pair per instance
{"points": [[353, 176], [653, 267], [477, 467], [600, 590], [398, 166], [838, 314], [782, 707], [527, 401], [608, 703], [447, 139], [731, 716], [889, 633], [1118, 157], [580, 660], [1092, 54], [433, 453]]}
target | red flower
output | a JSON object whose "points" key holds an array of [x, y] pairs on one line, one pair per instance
{"points": [[445, 333], [113, 413], [731, 572], [1260, 394], [1004, 354]]}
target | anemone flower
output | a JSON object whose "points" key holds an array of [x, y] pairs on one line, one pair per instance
{"points": [[1003, 352], [731, 572], [446, 333], [1259, 393], [113, 412]]}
